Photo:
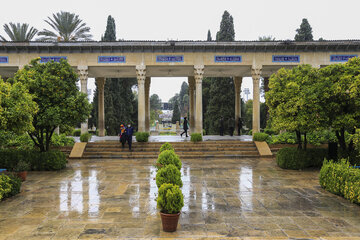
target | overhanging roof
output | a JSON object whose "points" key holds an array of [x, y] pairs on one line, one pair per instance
{"points": [[179, 46]]}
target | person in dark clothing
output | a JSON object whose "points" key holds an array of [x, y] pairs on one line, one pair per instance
{"points": [[122, 135], [231, 123], [185, 127], [240, 125], [221, 123], [129, 133]]}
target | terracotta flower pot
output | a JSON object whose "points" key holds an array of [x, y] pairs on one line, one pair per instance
{"points": [[22, 175], [169, 221]]}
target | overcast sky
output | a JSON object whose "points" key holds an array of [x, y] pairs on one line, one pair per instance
{"points": [[191, 19]]}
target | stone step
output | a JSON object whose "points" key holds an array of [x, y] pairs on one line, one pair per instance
{"points": [[178, 150], [155, 157], [153, 144], [176, 146]]}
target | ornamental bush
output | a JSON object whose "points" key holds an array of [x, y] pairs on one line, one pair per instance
{"points": [[170, 199], [196, 137], [261, 137], [62, 140], [15, 183], [169, 174], [293, 158], [85, 137], [166, 146], [142, 136], [5, 186], [167, 157], [76, 133], [341, 179]]}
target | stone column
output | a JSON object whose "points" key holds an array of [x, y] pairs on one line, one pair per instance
{"points": [[100, 83], [191, 81], [237, 83], [141, 75], [256, 72], [147, 104], [83, 75], [198, 75]]}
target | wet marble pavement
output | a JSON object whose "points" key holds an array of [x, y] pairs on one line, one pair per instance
{"points": [[227, 198]]}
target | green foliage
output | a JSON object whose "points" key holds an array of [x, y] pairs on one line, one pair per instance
{"points": [[196, 137], [57, 96], [22, 166], [110, 32], [304, 33], [85, 137], [261, 137], [168, 174], [67, 130], [5, 186], [17, 108], [248, 106], [271, 131], [341, 179], [293, 158], [184, 99], [19, 32], [176, 113], [15, 183], [356, 139], [266, 38], [142, 136], [209, 38], [39, 161], [76, 133], [67, 27], [155, 102], [167, 157], [170, 199], [226, 32], [62, 140], [166, 146]]}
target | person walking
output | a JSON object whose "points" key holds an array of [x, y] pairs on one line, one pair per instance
{"points": [[240, 125], [129, 134], [185, 127], [122, 135], [231, 125], [221, 123]]}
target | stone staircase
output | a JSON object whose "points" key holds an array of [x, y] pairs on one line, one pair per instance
{"points": [[210, 149]]}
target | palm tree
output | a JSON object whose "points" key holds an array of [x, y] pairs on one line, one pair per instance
{"points": [[19, 32], [67, 26]]}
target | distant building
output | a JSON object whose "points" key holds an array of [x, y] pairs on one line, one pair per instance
{"points": [[166, 106]]}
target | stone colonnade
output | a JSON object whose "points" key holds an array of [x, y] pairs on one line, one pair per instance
{"points": [[195, 99]]}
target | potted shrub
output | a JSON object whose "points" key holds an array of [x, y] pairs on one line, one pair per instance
{"points": [[167, 157], [169, 174], [170, 202], [166, 146], [21, 169]]}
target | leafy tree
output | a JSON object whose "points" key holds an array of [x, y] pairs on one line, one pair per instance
{"points": [[176, 113], [226, 32], [17, 108], [155, 102], [19, 32], [209, 38], [184, 101], [175, 98], [339, 88], [66, 27], [304, 33], [60, 103], [110, 32], [248, 113], [266, 38], [294, 101]]}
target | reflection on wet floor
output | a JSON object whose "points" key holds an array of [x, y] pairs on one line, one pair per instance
{"points": [[246, 187]]}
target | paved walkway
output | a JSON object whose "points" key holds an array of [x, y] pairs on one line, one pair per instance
{"points": [[115, 199], [173, 138]]}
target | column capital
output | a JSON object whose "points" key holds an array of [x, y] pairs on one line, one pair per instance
{"points": [[141, 73], [256, 72], [82, 71], [198, 73]]}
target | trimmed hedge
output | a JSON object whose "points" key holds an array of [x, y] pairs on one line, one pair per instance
{"points": [[85, 137], [142, 136], [261, 137], [293, 158], [196, 137], [166, 146], [169, 174], [168, 157], [39, 161], [341, 179]]}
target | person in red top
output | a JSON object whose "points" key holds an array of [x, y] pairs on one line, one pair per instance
{"points": [[122, 135]]}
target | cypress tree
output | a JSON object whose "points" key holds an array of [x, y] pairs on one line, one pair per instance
{"points": [[110, 32], [226, 32], [304, 33], [176, 113], [209, 38], [184, 101]]}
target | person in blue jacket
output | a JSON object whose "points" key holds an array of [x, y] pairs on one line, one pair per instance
{"points": [[129, 133]]}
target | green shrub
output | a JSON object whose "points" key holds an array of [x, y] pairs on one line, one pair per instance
{"points": [[283, 138], [15, 183], [341, 179], [196, 137], [10, 139], [170, 199], [167, 157], [39, 161], [250, 132], [293, 158], [169, 174], [270, 131], [261, 137], [5, 185], [142, 136], [67, 130], [166, 146], [61, 140], [76, 133], [22, 166], [85, 137]]}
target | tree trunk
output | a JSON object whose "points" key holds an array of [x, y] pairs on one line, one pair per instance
{"points": [[298, 136], [340, 135], [305, 141]]}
